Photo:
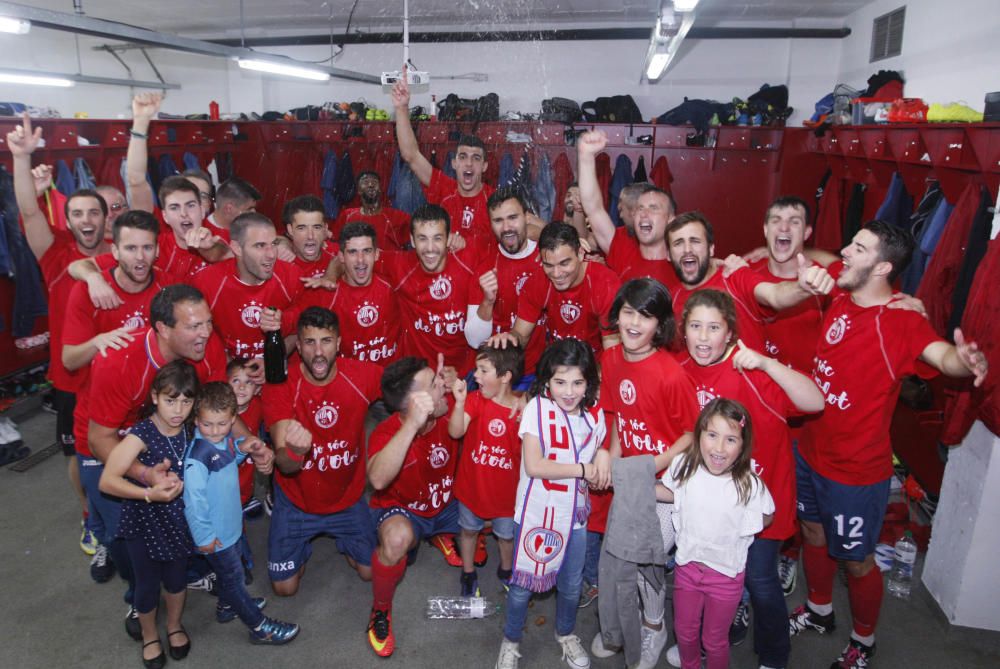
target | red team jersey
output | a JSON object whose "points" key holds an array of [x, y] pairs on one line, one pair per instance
{"points": [[769, 408], [579, 312], [750, 315], [512, 276], [54, 264], [83, 321], [423, 485], [392, 226], [490, 464], [253, 417], [625, 258], [332, 477], [236, 306], [316, 267], [469, 215], [862, 356], [653, 400], [433, 307], [126, 376], [172, 259]]}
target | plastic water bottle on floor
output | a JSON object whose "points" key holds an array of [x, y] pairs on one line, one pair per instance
{"points": [[460, 608], [901, 577]]}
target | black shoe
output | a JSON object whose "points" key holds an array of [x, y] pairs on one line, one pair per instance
{"points": [[132, 626], [101, 566], [856, 656], [179, 652], [740, 625], [804, 618], [158, 661]]}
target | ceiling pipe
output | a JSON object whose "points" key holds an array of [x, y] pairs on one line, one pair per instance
{"points": [[84, 25], [569, 34]]}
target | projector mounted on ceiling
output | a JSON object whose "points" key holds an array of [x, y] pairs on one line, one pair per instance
{"points": [[419, 82]]}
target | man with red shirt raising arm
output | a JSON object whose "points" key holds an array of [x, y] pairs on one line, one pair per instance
{"points": [[411, 466], [844, 461], [317, 418], [86, 213]]}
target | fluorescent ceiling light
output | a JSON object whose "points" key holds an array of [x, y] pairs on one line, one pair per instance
{"points": [[685, 5], [35, 79], [664, 43], [657, 64], [287, 69], [16, 26]]}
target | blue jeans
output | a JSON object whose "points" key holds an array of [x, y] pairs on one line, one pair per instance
{"points": [[568, 583], [770, 615], [590, 564], [228, 570], [105, 511]]}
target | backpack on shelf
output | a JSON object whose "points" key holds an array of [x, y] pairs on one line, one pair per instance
{"points": [[561, 110], [614, 109]]}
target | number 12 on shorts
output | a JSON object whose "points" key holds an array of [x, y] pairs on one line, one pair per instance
{"points": [[855, 523]]}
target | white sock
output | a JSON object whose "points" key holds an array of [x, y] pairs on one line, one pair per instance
{"points": [[866, 640], [821, 609]]}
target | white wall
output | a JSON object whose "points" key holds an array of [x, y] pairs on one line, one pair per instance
{"points": [[948, 54], [951, 51]]}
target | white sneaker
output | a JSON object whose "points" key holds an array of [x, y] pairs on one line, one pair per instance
{"points": [[573, 651], [674, 656], [653, 642], [598, 649], [508, 655]]}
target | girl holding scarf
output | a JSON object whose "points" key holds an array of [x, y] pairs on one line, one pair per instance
{"points": [[562, 431]]}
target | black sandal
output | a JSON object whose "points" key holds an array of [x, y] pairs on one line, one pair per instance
{"points": [[179, 652], [158, 661]]}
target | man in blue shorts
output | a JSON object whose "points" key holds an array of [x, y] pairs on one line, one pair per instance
{"points": [[316, 418], [411, 465]]}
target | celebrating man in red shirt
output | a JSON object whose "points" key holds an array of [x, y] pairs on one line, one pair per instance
{"points": [[316, 418], [844, 461], [392, 226], [247, 293], [411, 466], [305, 226]]}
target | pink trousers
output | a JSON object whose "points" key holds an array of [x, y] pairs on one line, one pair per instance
{"points": [[705, 602]]}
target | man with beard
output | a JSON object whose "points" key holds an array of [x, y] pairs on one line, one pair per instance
{"points": [[411, 466], [305, 226], [691, 245], [638, 249], [392, 226], [117, 205], [86, 213], [180, 327], [503, 273], [844, 462], [316, 418], [570, 298], [90, 331], [247, 293], [364, 303]]}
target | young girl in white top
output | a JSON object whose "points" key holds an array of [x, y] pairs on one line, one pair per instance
{"points": [[719, 504], [562, 430]]}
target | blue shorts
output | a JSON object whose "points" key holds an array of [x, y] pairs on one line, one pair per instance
{"points": [[503, 528], [444, 521], [851, 515], [292, 530]]}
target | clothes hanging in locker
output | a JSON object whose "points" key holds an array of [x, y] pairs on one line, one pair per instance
{"points": [[661, 175], [83, 175], [447, 167], [404, 189], [603, 168], [543, 191], [506, 176], [110, 173], [640, 171], [920, 222], [941, 275], [827, 233], [854, 216], [64, 179], [345, 180], [29, 294], [562, 177], [621, 177], [897, 207], [975, 249], [328, 182], [190, 161]]}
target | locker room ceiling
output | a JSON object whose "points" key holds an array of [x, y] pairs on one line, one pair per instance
{"points": [[220, 18]]}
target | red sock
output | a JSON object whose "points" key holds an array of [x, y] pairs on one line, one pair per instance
{"points": [[865, 594], [384, 581], [820, 570]]}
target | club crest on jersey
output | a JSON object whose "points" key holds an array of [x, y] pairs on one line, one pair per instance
{"points": [[627, 391], [134, 321], [570, 312], [250, 314], [497, 428], [519, 284], [705, 395], [326, 416], [367, 315], [441, 288], [543, 544], [841, 324], [439, 457]]}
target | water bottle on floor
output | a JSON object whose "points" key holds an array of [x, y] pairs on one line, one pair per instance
{"points": [[460, 608], [901, 577]]}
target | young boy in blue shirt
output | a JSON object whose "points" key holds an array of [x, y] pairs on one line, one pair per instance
{"points": [[214, 513]]}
